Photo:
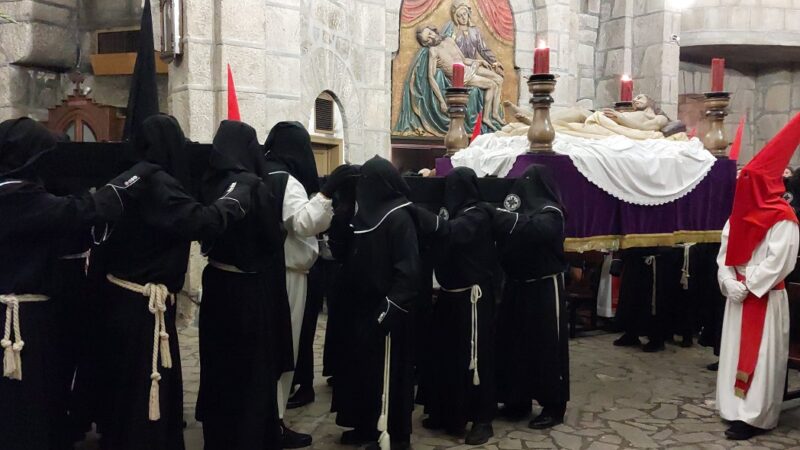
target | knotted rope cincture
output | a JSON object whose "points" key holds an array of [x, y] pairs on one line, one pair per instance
{"points": [[157, 295], [651, 261], [384, 440], [12, 350], [475, 294], [685, 269]]}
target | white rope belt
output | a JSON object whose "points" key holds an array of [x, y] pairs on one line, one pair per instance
{"points": [[554, 277], [300, 271], [685, 269], [475, 295], [225, 267], [384, 441], [651, 261], [83, 255], [157, 295], [12, 351]]}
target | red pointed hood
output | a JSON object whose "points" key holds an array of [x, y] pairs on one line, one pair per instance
{"points": [[233, 101], [758, 203], [736, 147]]}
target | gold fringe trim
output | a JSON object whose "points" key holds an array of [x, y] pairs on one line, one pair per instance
{"points": [[742, 376], [617, 242], [739, 392]]}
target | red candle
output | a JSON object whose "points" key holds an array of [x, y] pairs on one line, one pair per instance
{"points": [[458, 75], [717, 75], [625, 89], [541, 59]]}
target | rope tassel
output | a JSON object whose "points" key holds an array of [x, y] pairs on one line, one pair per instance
{"points": [[12, 350], [154, 410], [9, 361], [384, 441], [474, 296], [166, 357]]}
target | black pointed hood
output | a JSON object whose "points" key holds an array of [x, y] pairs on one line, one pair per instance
{"points": [[162, 142], [236, 148], [460, 190], [288, 149], [23, 142], [534, 191], [380, 191], [143, 95]]}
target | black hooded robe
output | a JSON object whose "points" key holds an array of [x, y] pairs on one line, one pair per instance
{"points": [[382, 269], [150, 245], [35, 227], [242, 350], [532, 333], [466, 256]]}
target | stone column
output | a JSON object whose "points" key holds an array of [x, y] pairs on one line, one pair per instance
{"points": [[43, 38], [656, 59]]}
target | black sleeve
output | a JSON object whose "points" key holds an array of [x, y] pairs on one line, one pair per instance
{"points": [[168, 207], [340, 236], [269, 217], [545, 226], [58, 216], [405, 262], [464, 228]]}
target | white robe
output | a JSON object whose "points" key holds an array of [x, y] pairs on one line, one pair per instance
{"points": [[304, 219], [772, 261]]}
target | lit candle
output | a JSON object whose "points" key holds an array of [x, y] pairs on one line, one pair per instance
{"points": [[541, 59], [717, 75], [625, 89], [458, 75]]}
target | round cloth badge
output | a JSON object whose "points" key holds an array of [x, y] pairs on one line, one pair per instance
{"points": [[788, 197], [512, 202], [443, 213]]}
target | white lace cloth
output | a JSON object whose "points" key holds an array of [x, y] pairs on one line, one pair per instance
{"points": [[649, 172]]}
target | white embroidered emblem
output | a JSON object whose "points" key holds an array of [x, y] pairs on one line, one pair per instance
{"points": [[443, 213], [788, 197], [131, 180], [512, 202]]}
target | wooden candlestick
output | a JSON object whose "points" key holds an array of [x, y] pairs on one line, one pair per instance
{"points": [[716, 104], [541, 132], [456, 138]]}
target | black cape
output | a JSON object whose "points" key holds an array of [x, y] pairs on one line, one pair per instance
{"points": [[288, 149], [532, 337], [382, 262]]}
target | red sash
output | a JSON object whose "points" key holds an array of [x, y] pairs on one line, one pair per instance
{"points": [[754, 313]]}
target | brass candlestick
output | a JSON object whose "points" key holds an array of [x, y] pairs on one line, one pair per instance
{"points": [[541, 132], [623, 106], [716, 104], [456, 138]]}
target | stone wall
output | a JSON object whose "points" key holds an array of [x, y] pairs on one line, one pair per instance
{"points": [[589, 19], [769, 98], [635, 38], [752, 22]]}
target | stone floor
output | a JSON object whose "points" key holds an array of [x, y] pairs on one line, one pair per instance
{"points": [[621, 398]]}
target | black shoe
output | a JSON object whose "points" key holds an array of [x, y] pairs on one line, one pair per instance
{"points": [[431, 423], [687, 342], [652, 347], [302, 397], [293, 439], [627, 340], [479, 434], [545, 420], [713, 367], [329, 381], [515, 412], [358, 437], [740, 431]]}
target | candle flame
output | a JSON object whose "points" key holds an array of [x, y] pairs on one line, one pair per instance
{"points": [[626, 77], [542, 43]]}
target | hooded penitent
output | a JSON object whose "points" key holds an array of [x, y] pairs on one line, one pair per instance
{"points": [[288, 149], [162, 142], [22, 142], [461, 190], [380, 191], [758, 205], [534, 191]]}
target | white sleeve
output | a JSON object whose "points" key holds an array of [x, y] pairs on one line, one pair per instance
{"points": [[782, 242], [305, 217], [724, 272]]}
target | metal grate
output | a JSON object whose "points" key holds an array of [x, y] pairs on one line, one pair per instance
{"points": [[117, 41], [323, 114]]}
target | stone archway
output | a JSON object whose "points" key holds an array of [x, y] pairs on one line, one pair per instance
{"points": [[327, 72]]}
